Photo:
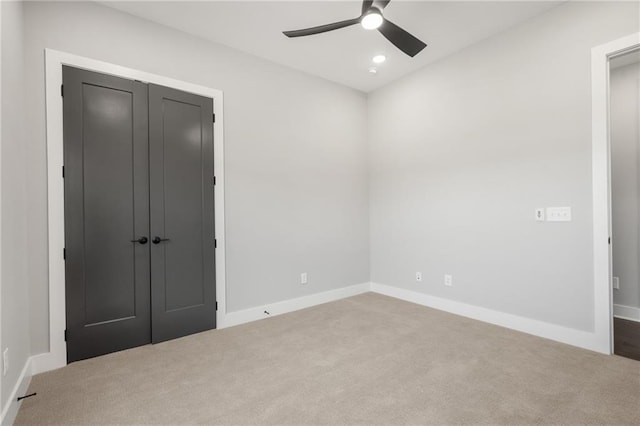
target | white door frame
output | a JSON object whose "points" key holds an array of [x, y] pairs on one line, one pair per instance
{"points": [[602, 260], [54, 60], [2, 414]]}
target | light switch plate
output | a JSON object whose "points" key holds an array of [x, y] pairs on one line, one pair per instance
{"points": [[558, 214]]}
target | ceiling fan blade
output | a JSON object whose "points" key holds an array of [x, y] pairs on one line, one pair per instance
{"points": [[401, 39], [366, 5], [321, 28]]}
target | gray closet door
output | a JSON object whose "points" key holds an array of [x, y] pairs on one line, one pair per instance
{"points": [[182, 213], [106, 185]]}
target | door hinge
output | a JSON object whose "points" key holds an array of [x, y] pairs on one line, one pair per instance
{"points": [[62, 172], [214, 117], [609, 240], [66, 335], [215, 243], [62, 90], [216, 305], [214, 180], [64, 253]]}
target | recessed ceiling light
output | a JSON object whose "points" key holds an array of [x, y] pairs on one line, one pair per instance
{"points": [[378, 59], [371, 20], [373, 70]]}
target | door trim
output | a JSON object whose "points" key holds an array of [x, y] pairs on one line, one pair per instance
{"points": [[54, 60], [601, 175]]}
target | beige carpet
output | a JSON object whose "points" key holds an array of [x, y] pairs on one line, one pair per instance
{"points": [[368, 359]]}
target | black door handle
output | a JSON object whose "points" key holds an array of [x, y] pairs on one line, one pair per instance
{"points": [[141, 240], [158, 240]]}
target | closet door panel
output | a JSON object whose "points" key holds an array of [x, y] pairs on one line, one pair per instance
{"points": [[106, 211], [182, 213]]}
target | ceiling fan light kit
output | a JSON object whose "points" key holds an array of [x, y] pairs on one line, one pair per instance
{"points": [[371, 18]]}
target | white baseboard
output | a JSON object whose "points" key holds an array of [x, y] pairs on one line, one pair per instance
{"points": [[10, 411], [588, 340], [46, 362], [253, 314], [558, 333], [626, 312]]}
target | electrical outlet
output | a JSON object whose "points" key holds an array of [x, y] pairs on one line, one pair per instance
{"points": [[418, 276], [448, 280], [5, 361], [304, 279], [616, 283]]}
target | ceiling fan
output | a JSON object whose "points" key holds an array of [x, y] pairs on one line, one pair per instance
{"points": [[370, 19]]}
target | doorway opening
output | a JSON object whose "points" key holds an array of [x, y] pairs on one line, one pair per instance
{"points": [[624, 140], [601, 186]]}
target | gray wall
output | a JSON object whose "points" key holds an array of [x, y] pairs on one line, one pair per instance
{"points": [[295, 155], [15, 304], [463, 151], [625, 183]]}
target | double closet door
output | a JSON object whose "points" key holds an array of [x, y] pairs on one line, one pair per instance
{"points": [[139, 213]]}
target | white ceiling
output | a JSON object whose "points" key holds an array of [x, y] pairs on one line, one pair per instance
{"points": [[344, 55]]}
